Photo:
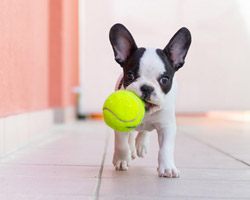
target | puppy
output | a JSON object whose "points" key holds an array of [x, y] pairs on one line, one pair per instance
{"points": [[149, 73]]}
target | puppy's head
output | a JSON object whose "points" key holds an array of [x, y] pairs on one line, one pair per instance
{"points": [[149, 72]]}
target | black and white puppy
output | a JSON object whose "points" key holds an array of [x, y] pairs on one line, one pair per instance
{"points": [[149, 73]]}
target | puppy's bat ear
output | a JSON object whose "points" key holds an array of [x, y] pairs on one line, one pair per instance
{"points": [[122, 42], [177, 48]]}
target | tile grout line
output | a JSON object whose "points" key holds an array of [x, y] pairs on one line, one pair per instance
{"points": [[98, 186], [216, 148]]}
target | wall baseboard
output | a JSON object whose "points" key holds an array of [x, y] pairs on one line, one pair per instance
{"points": [[62, 115], [19, 130]]}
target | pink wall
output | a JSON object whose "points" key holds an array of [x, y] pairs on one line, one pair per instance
{"points": [[70, 50], [38, 54]]}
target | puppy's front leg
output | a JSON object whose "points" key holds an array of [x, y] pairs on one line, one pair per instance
{"points": [[166, 164], [122, 154]]}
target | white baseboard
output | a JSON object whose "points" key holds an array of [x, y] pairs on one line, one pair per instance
{"points": [[19, 130], [62, 115]]}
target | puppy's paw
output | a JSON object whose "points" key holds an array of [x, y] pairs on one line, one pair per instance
{"points": [[121, 160], [121, 165], [168, 172], [141, 149], [133, 154]]}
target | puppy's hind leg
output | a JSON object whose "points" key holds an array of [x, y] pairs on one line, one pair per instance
{"points": [[142, 143], [131, 141]]}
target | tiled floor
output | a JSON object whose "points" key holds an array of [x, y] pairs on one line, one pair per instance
{"points": [[75, 164]]}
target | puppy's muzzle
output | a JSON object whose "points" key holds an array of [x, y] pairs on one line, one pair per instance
{"points": [[146, 92]]}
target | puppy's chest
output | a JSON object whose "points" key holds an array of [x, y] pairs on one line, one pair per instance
{"points": [[150, 122], [145, 127]]}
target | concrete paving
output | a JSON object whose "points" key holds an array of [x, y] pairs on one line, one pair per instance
{"points": [[75, 162]]}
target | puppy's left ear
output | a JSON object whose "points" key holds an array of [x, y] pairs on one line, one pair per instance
{"points": [[177, 48], [122, 42]]}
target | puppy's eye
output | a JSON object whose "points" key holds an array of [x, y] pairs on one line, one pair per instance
{"points": [[130, 76], [164, 80]]}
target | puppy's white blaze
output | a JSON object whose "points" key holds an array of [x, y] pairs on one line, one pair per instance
{"points": [[150, 64], [151, 67]]}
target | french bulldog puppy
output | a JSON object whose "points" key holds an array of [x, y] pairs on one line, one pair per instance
{"points": [[149, 73]]}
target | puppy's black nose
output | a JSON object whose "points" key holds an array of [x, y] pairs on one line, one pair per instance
{"points": [[146, 91]]}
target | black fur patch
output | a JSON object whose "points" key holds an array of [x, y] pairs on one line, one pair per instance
{"points": [[169, 73], [132, 67]]}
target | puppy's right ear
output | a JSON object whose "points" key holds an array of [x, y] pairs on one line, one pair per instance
{"points": [[122, 42]]}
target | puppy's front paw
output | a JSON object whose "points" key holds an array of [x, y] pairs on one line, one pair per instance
{"points": [[168, 171], [121, 165], [121, 160]]}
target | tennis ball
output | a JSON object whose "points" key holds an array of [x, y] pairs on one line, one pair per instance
{"points": [[123, 111]]}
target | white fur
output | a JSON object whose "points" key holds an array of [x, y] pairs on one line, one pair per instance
{"points": [[162, 119], [151, 67]]}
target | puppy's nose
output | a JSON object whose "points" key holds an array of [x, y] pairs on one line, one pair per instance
{"points": [[146, 91]]}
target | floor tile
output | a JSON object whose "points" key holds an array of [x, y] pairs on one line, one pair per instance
{"points": [[67, 164], [43, 180], [156, 197], [186, 173], [228, 137], [53, 171], [206, 172], [44, 197], [152, 186], [78, 144], [189, 153]]}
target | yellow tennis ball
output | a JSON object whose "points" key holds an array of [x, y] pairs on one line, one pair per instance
{"points": [[123, 111]]}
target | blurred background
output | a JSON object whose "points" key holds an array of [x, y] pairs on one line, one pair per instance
{"points": [[56, 61], [216, 73]]}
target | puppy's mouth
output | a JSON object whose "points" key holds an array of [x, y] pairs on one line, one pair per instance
{"points": [[150, 105]]}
